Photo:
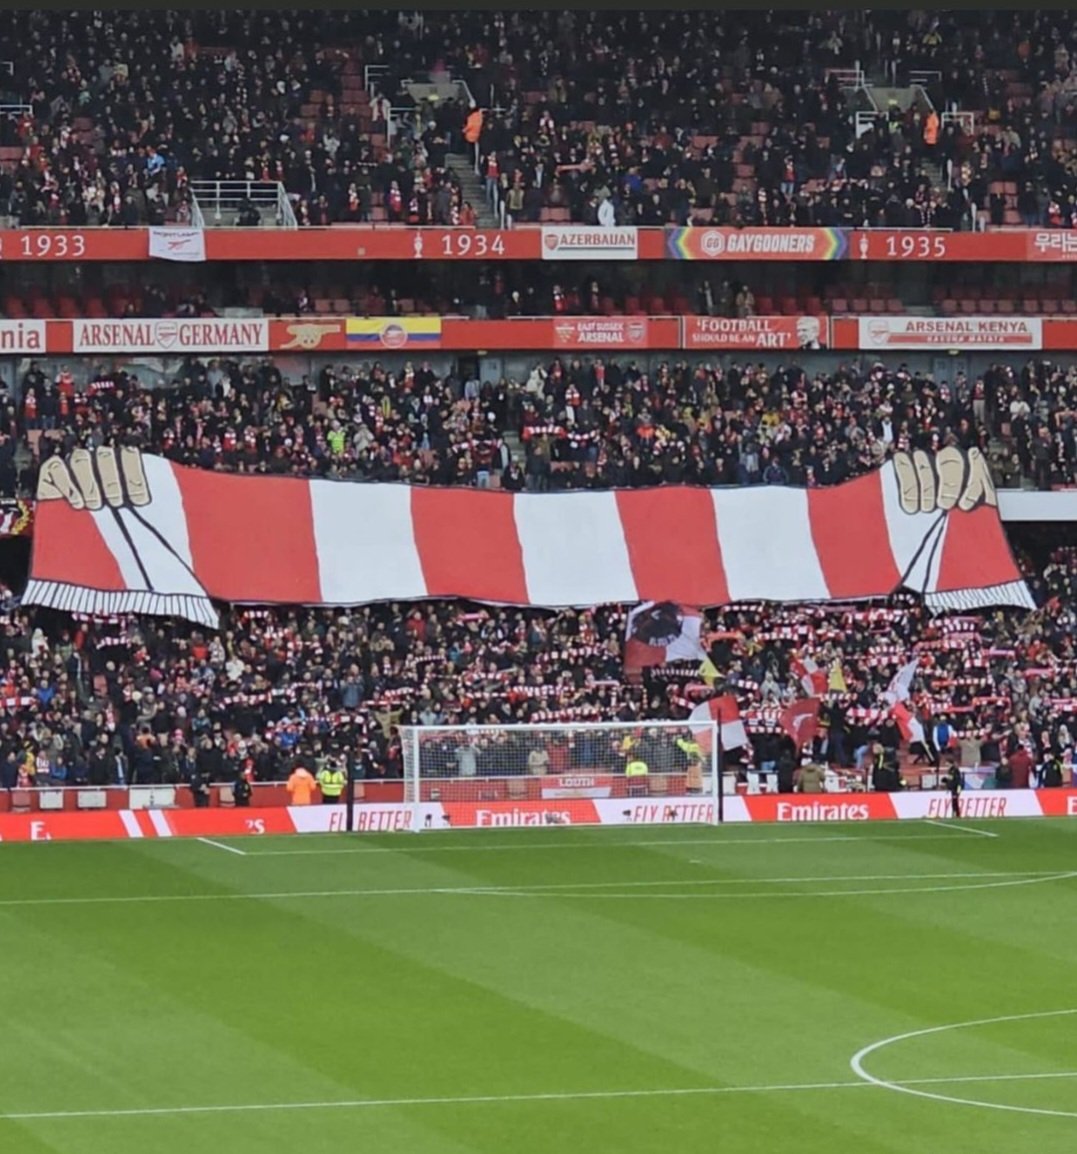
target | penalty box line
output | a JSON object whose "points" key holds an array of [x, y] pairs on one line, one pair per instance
{"points": [[507, 1099], [951, 824]]}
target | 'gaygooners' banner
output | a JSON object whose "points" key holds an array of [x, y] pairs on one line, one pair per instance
{"points": [[118, 532]]}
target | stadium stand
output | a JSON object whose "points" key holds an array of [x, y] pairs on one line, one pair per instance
{"points": [[977, 130], [292, 119]]}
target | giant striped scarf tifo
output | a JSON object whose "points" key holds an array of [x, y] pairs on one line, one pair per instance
{"points": [[206, 536]]}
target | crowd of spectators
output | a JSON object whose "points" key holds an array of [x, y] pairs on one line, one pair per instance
{"points": [[506, 289], [142, 701], [641, 118], [145, 700], [571, 423], [114, 117], [762, 132], [482, 290]]}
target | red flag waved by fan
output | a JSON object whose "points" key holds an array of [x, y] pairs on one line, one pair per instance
{"points": [[912, 731], [812, 678], [724, 710], [661, 632], [800, 720]]}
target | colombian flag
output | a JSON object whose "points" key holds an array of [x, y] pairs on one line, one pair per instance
{"points": [[394, 332]]}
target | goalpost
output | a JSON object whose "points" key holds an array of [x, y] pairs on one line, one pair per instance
{"points": [[617, 773]]}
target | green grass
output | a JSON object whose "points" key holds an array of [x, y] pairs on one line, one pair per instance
{"points": [[430, 989]]}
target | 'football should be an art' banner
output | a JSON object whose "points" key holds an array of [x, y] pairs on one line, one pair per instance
{"points": [[119, 532]]}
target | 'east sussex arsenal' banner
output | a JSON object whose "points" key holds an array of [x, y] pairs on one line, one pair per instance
{"points": [[600, 332], [118, 532]]}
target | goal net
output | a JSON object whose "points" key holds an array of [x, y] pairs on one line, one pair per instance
{"points": [[658, 772]]}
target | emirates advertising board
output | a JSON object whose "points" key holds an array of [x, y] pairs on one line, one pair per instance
{"points": [[399, 817]]}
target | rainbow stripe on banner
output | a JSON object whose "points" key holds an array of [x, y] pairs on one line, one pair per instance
{"points": [[394, 332], [757, 243]]}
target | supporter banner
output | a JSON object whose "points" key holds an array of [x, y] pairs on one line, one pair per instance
{"points": [[16, 517], [346, 242], [584, 242], [719, 333], [178, 337], [1052, 244], [21, 336], [401, 817], [1006, 245], [118, 532], [393, 332], [757, 243], [601, 332], [660, 633], [308, 335], [181, 244], [414, 334], [970, 333]]}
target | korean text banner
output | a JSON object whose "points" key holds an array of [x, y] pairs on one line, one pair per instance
{"points": [[117, 532]]}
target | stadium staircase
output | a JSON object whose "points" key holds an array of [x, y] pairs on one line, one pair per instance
{"points": [[935, 174], [515, 447], [472, 188]]}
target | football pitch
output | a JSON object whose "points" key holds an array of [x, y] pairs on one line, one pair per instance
{"points": [[901, 988]]}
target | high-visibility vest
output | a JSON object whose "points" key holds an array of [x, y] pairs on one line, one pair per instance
{"points": [[636, 768], [300, 785], [332, 782], [473, 128], [690, 749]]}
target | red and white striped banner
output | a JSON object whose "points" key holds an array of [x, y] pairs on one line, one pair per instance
{"points": [[183, 536]]}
